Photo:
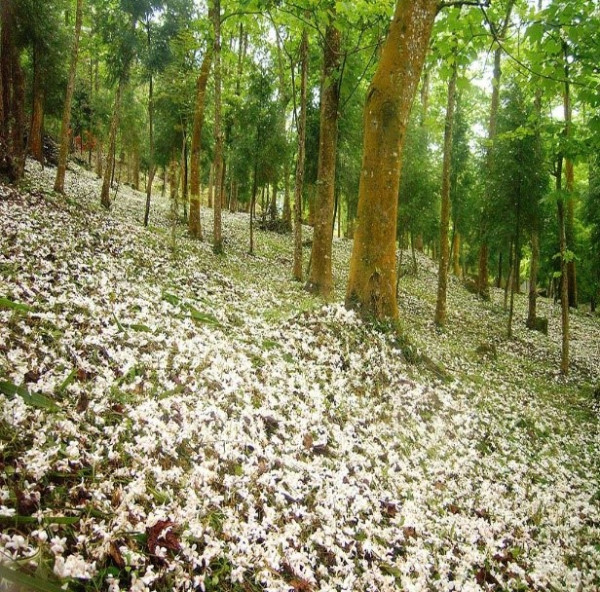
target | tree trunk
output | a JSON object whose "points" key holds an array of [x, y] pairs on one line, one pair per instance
{"points": [[36, 127], [201, 83], [211, 185], [440, 309], [59, 183], [301, 119], [569, 182], [456, 253], [372, 281], [564, 284], [219, 167], [152, 164], [320, 280], [482, 281], [533, 276], [112, 144]]}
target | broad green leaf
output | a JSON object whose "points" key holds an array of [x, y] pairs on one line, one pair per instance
{"points": [[32, 399], [201, 316], [11, 305], [29, 582]]}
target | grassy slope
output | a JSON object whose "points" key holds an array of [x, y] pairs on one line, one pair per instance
{"points": [[217, 427]]}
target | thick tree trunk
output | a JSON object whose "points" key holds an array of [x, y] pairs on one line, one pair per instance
{"points": [[59, 183], [320, 280], [440, 308], [219, 165], [372, 281], [201, 83], [112, 144], [301, 119]]}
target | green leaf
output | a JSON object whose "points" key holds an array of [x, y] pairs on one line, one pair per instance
{"points": [[171, 298], [32, 399], [139, 327], [9, 304], [29, 582], [64, 520], [202, 317]]}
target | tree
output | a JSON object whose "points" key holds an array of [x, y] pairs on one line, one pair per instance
{"points": [[59, 183], [217, 234], [320, 280], [371, 285], [301, 121]]}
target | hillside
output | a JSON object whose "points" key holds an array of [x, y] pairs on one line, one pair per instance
{"points": [[175, 420]]}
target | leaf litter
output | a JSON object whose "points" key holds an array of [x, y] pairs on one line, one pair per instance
{"points": [[176, 420]]}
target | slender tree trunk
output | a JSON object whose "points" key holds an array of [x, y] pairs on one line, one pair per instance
{"points": [[36, 127], [533, 276], [59, 183], [456, 250], [152, 164], [219, 166], [112, 144], [211, 185], [195, 226], [372, 281], [569, 182], [483, 275], [301, 119], [320, 280], [440, 309], [564, 284]]}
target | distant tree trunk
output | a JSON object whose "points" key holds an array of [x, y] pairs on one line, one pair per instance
{"points": [[569, 182], [564, 284], [152, 164], [456, 250], [483, 288], [516, 265], [533, 276], [372, 281], [201, 84], [59, 183], [219, 165], [211, 185], [301, 119], [320, 280], [36, 127], [440, 309], [112, 144]]}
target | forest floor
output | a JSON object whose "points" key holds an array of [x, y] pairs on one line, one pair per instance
{"points": [[171, 419]]}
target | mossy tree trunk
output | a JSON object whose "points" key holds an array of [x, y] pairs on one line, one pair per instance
{"points": [[301, 119], [36, 124], [372, 281], [320, 280], [112, 145], [201, 84], [59, 182], [219, 165], [440, 307], [483, 287]]}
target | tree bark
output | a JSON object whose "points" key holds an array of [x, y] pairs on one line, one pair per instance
{"points": [[533, 276], [372, 281], [569, 182], [36, 127], [219, 168], [482, 280], [320, 280], [112, 144], [301, 119], [152, 164], [564, 284], [440, 308], [195, 226], [59, 182]]}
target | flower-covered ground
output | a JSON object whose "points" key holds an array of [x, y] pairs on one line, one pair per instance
{"points": [[175, 420]]}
